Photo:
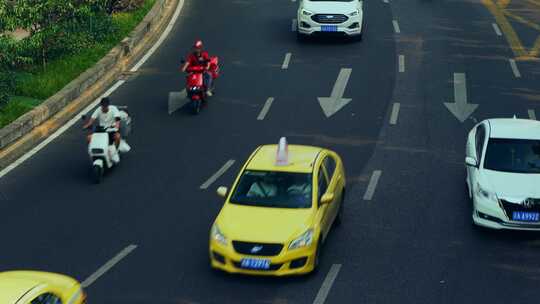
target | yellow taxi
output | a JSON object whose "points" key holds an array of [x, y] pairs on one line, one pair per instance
{"points": [[36, 287], [279, 211]]}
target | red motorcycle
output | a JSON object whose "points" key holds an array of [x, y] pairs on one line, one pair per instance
{"points": [[195, 88]]}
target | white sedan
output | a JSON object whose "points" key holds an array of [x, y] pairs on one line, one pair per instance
{"points": [[344, 17], [503, 173]]}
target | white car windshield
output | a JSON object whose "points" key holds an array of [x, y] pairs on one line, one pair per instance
{"points": [[513, 155], [273, 189]]}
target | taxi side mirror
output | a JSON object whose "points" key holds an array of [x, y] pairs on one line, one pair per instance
{"points": [[327, 198], [222, 191]]}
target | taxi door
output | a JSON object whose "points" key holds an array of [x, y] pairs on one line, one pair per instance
{"points": [[323, 210], [335, 185]]}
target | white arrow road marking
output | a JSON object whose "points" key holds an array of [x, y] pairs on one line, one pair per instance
{"points": [[497, 29], [460, 108], [327, 284], [293, 26], [334, 103], [532, 114], [107, 266], [395, 113], [286, 61], [177, 100], [265, 108], [513, 64], [396, 26], [373, 181], [217, 175], [401, 63]]}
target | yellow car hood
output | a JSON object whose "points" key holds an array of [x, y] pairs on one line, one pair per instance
{"points": [[265, 225]]}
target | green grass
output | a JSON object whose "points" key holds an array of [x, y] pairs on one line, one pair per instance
{"points": [[17, 106], [39, 84]]}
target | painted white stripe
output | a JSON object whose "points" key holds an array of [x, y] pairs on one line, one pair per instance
{"points": [[217, 175], [107, 266], [396, 26], [395, 113], [70, 123], [265, 108], [532, 114], [293, 26], [286, 61], [517, 74], [59, 132], [401, 63], [385, 1], [372, 185], [497, 29], [327, 284], [166, 32]]}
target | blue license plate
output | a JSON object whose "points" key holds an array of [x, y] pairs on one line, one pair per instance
{"points": [[523, 216], [329, 28], [255, 263]]}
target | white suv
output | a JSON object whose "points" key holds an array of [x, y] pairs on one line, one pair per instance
{"points": [[330, 16], [503, 173]]}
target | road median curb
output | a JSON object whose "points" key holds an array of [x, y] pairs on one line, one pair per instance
{"points": [[35, 126]]}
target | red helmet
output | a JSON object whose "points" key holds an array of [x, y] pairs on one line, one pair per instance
{"points": [[198, 44]]}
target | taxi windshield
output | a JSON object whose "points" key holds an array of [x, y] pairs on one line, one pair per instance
{"points": [[273, 189]]}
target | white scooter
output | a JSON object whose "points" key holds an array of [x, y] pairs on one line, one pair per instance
{"points": [[102, 150]]}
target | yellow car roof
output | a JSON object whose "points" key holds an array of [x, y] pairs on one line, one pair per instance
{"points": [[13, 288], [300, 159]]}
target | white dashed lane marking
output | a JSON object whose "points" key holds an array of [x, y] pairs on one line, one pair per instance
{"points": [[514, 67], [327, 284], [396, 26], [395, 113], [497, 29], [107, 266], [217, 175], [265, 108], [286, 61], [401, 63], [372, 186]]}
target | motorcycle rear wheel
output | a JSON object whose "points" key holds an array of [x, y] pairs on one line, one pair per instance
{"points": [[97, 173]]}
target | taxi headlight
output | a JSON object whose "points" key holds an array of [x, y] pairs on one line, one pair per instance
{"points": [[306, 13], [217, 235], [302, 241]]}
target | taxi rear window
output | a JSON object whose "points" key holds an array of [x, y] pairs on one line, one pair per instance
{"points": [[273, 189]]}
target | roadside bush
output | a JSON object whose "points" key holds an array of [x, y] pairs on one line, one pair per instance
{"points": [[7, 86]]}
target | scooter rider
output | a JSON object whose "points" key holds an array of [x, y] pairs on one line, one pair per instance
{"points": [[200, 58], [108, 117]]}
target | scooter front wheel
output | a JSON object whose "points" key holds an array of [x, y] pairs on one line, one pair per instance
{"points": [[97, 173]]}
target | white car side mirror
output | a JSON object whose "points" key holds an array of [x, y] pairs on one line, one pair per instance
{"points": [[222, 191], [471, 161]]}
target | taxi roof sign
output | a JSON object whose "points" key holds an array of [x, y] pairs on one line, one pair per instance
{"points": [[282, 155]]}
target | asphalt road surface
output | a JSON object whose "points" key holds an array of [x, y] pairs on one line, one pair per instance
{"points": [[407, 235]]}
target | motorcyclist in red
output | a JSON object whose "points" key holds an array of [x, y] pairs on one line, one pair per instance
{"points": [[200, 58]]}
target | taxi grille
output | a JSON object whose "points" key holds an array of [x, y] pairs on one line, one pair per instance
{"points": [[329, 18], [260, 249]]}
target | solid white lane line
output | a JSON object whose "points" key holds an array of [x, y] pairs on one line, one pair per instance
{"points": [[532, 114], [517, 74], [265, 108], [497, 29], [293, 26], [217, 175], [401, 63], [77, 118], [286, 61], [327, 284], [166, 32], [372, 185], [395, 113], [385, 1], [396, 26], [107, 266], [59, 132]]}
